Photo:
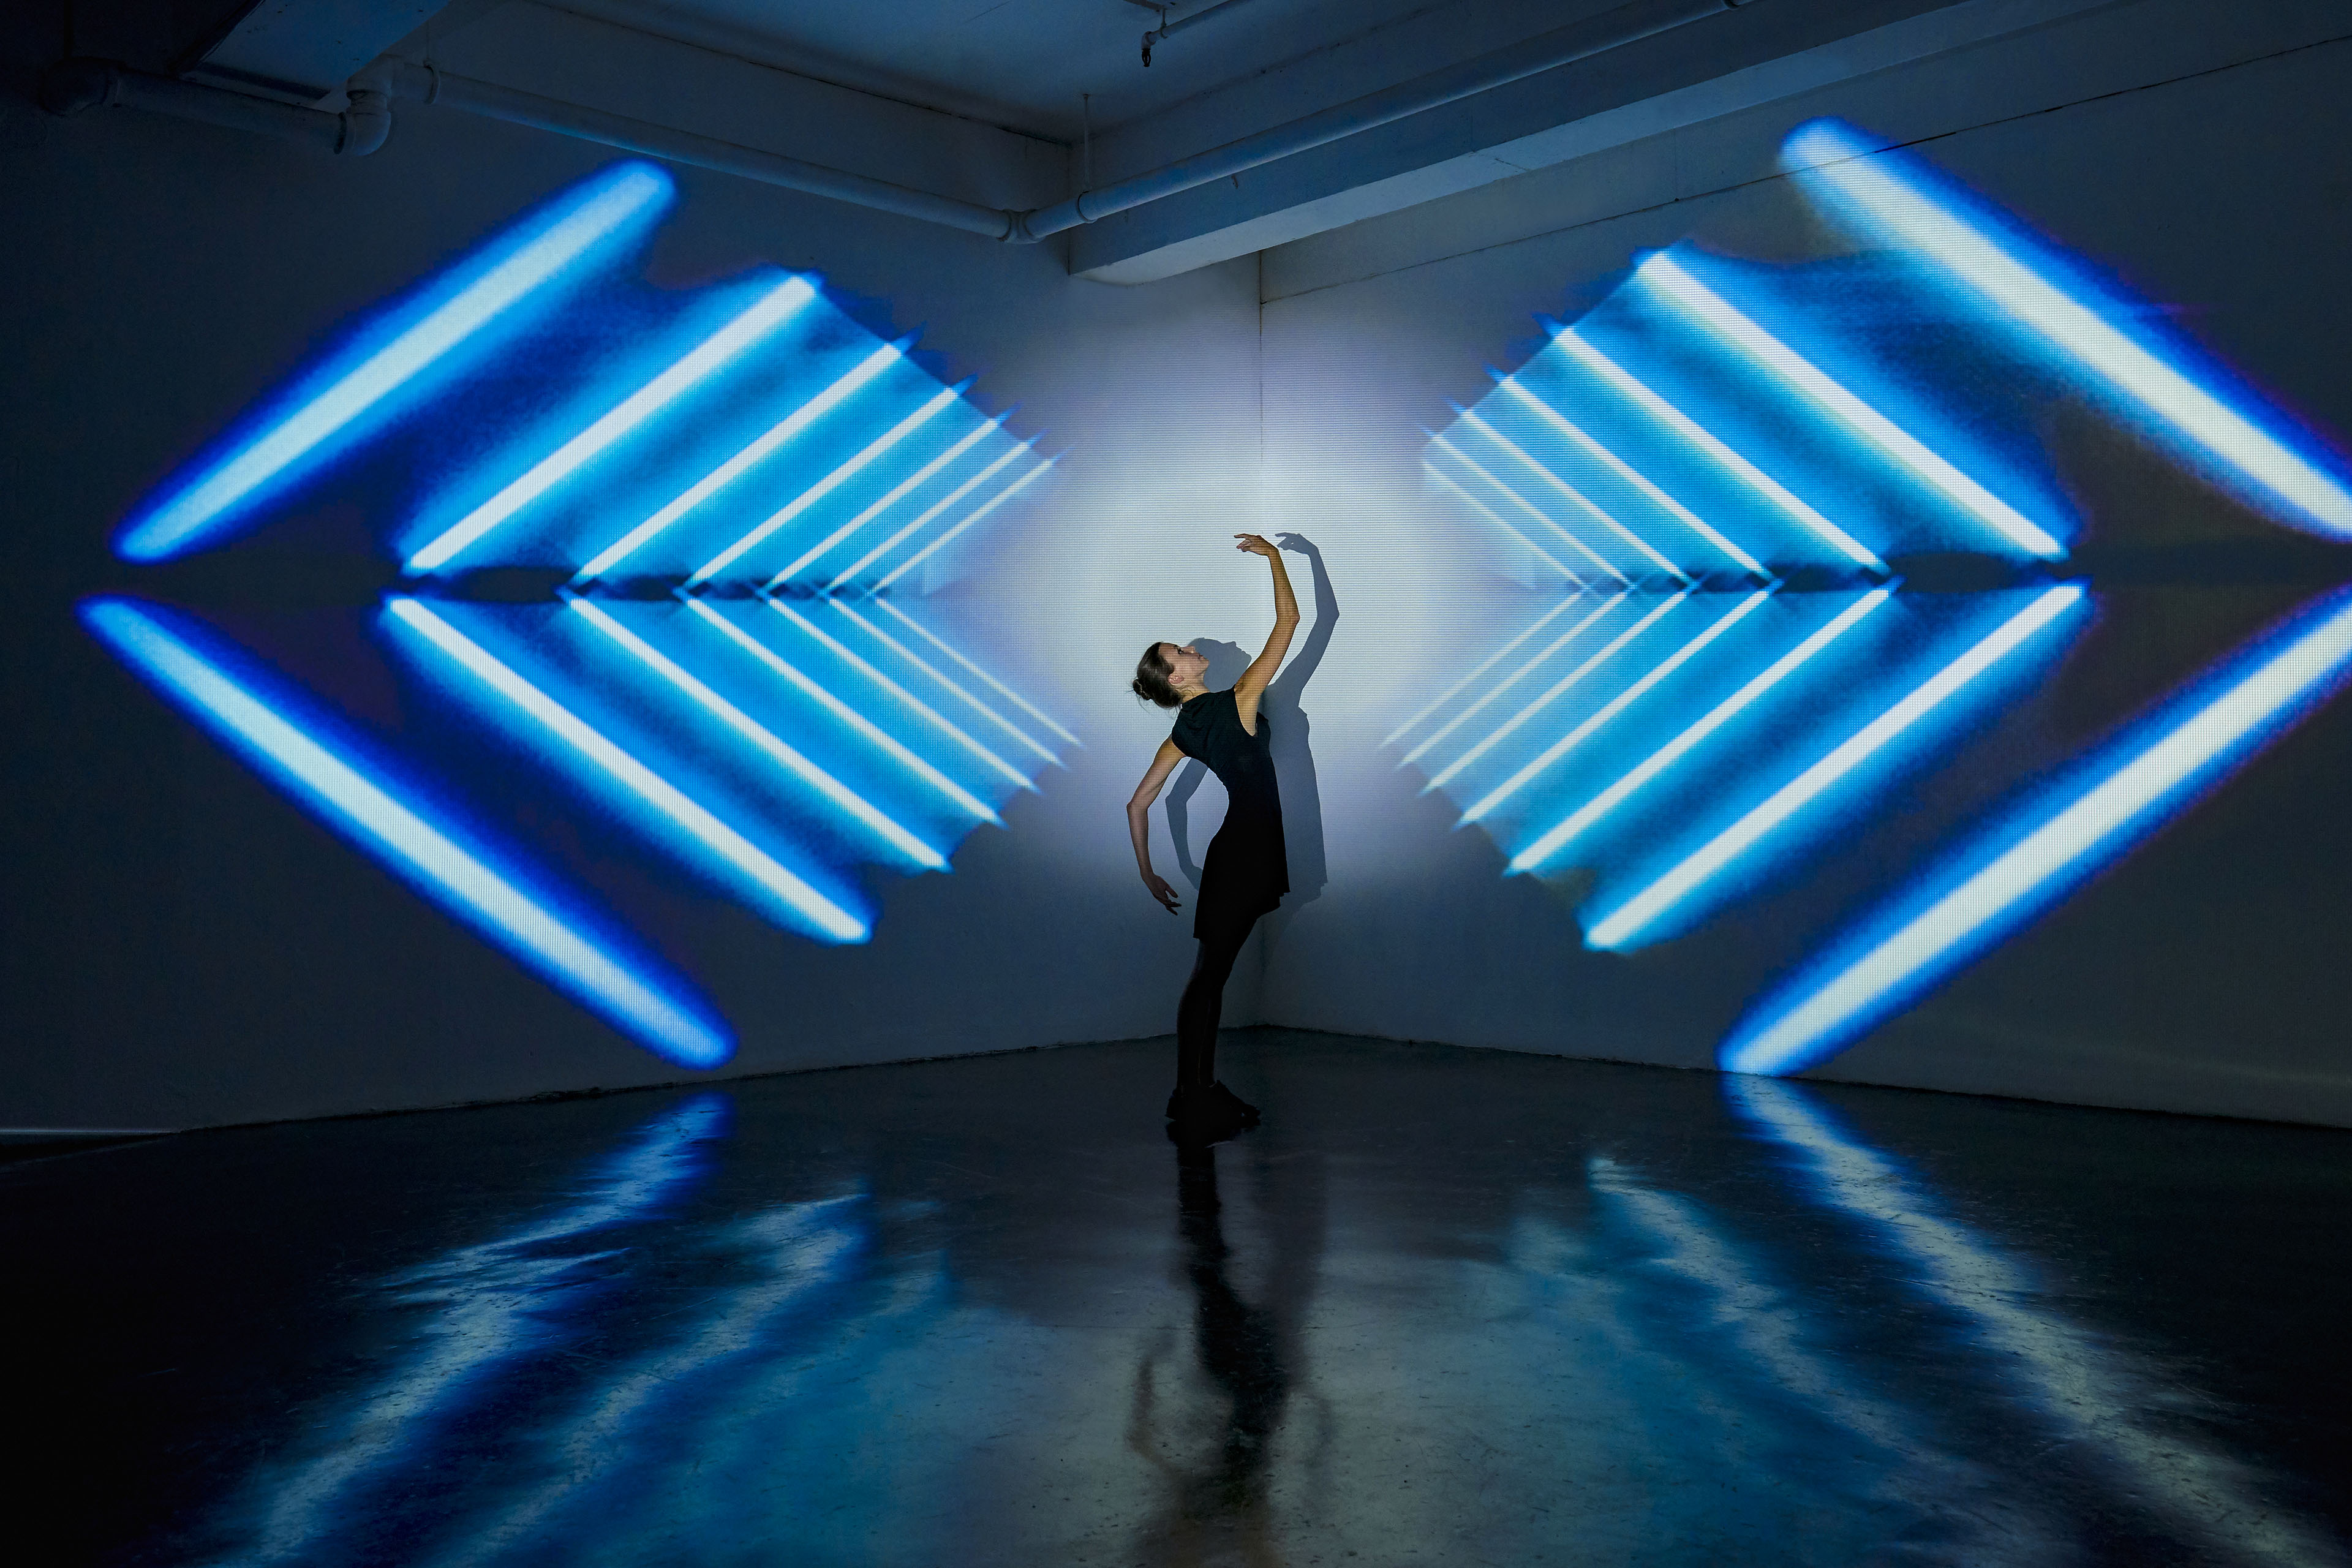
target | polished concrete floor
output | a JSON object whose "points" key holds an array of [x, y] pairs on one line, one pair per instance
{"points": [[1445, 1307]]}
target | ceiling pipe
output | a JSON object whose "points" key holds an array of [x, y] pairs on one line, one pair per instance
{"points": [[1166, 28], [77, 86], [1548, 51], [424, 84]]}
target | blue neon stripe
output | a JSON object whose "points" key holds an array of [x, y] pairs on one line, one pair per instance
{"points": [[1704, 441], [991, 504], [1483, 665], [906, 756], [837, 794], [1446, 776], [1491, 515], [1894, 199], [1454, 452], [824, 487], [939, 679], [771, 886], [1496, 690], [1669, 280], [1624, 925], [923, 518], [1575, 496], [763, 316], [1627, 472], [1615, 705], [1558, 837], [924, 632], [734, 468], [890, 498], [537, 255], [300, 754], [2055, 845]]}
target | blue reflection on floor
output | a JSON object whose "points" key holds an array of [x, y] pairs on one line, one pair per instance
{"points": [[1445, 1307]]}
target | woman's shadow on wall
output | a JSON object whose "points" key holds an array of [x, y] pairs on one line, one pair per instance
{"points": [[1293, 759]]}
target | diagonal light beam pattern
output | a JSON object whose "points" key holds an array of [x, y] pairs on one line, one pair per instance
{"points": [[1448, 448]]}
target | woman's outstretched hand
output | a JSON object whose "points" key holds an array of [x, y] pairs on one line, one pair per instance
{"points": [[1256, 545], [1160, 890]]}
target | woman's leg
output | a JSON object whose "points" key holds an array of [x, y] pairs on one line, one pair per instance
{"points": [[1204, 1002]]}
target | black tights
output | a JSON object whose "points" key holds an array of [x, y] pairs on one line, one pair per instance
{"points": [[1204, 1000]]}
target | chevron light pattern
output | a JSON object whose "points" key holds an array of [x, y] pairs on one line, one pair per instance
{"points": [[665, 554], [1724, 468]]}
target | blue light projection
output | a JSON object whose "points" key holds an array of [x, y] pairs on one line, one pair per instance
{"points": [[1718, 427], [726, 507]]}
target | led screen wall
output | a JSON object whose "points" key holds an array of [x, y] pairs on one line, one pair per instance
{"points": [[652, 566]]}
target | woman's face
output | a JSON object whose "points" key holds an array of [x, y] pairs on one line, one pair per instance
{"points": [[1186, 664]]}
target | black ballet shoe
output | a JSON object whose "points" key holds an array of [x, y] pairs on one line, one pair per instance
{"points": [[1235, 1103], [1198, 1114]]}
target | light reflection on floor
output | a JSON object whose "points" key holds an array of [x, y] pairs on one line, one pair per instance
{"points": [[1445, 1307]]}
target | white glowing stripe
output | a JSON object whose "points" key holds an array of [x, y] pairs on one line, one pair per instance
{"points": [[1489, 662], [166, 530], [865, 667], [1698, 435], [365, 810], [889, 498], [1496, 517], [1533, 511], [922, 518], [899, 751], [920, 630], [1621, 925], [1513, 679], [1665, 276], [1608, 800], [824, 487], [1630, 474], [728, 472], [991, 504], [2097, 825], [765, 741], [774, 308], [1446, 776], [977, 706], [1895, 210], [1470, 417], [1614, 706], [737, 853]]}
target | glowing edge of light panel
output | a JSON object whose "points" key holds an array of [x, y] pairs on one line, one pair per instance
{"points": [[1892, 207], [726, 473], [903, 651], [771, 311], [995, 466], [339, 790], [923, 414], [991, 504], [1665, 276], [928, 636], [904, 755], [169, 529], [802, 903], [2092, 828], [1467, 461], [1446, 775], [1618, 929], [1614, 706], [1513, 679], [1491, 515], [1641, 396], [1471, 417], [1558, 837], [872, 672], [1626, 472], [889, 498], [840, 795], [1489, 662]]}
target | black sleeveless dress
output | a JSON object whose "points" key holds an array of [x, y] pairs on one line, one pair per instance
{"points": [[1246, 869]]}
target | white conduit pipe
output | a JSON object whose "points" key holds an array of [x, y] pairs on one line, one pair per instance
{"points": [[77, 86]]}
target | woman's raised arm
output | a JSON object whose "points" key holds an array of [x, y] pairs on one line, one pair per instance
{"points": [[1254, 679]]}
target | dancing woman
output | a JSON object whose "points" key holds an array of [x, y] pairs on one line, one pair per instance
{"points": [[1245, 872]]}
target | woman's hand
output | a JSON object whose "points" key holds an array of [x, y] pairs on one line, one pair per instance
{"points": [[1160, 890], [1256, 545]]}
